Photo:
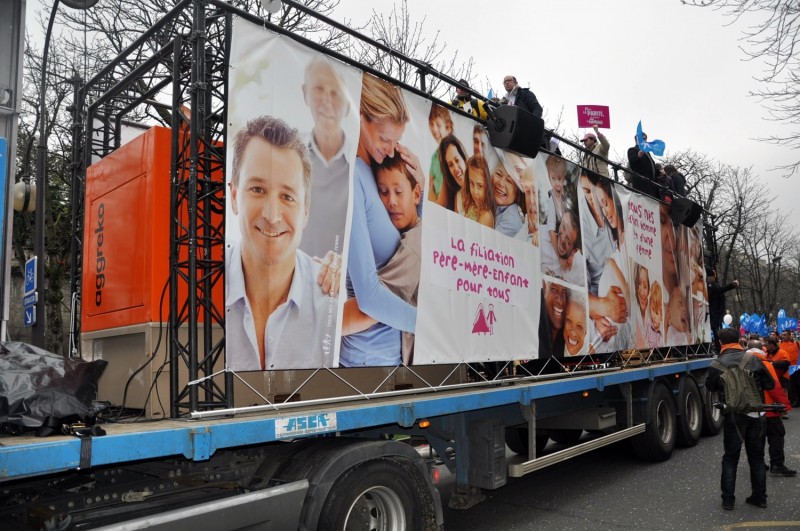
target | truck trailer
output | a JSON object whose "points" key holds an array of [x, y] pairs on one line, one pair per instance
{"points": [[514, 341]]}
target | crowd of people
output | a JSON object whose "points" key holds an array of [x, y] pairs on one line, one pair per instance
{"points": [[769, 360]]}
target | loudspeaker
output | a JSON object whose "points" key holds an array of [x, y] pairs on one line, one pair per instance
{"points": [[685, 211], [516, 130]]}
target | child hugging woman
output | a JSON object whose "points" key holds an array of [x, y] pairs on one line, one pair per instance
{"points": [[400, 194], [478, 202]]}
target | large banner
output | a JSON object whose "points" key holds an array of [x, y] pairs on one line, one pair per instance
{"points": [[331, 173]]}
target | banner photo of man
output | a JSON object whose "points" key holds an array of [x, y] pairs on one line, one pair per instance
{"points": [[292, 141]]}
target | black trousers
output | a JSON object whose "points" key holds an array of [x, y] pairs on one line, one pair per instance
{"points": [[776, 433], [739, 429]]}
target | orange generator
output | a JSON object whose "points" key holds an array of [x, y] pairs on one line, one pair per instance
{"points": [[126, 265]]}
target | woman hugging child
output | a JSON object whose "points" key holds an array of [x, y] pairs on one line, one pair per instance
{"points": [[401, 195]]}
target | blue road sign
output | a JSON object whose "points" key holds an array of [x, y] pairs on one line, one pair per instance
{"points": [[29, 318], [30, 275], [30, 299]]}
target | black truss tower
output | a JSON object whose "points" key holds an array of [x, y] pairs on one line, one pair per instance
{"points": [[173, 74]]}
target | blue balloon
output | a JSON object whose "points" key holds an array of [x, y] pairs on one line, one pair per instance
{"points": [[781, 313]]}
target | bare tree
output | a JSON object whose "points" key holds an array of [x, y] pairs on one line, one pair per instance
{"points": [[84, 45], [775, 39], [400, 32], [760, 260]]}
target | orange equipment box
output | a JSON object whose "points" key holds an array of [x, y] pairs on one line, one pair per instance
{"points": [[126, 235]]}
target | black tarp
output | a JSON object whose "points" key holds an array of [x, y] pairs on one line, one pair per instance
{"points": [[36, 385]]}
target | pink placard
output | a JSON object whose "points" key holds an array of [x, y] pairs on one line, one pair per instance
{"points": [[591, 115]]}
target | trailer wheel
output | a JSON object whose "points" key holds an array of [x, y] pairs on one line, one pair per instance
{"points": [[712, 417], [517, 440], [690, 409], [567, 437], [658, 439], [378, 494]]}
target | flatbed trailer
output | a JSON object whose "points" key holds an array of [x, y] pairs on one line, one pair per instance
{"points": [[613, 404]]}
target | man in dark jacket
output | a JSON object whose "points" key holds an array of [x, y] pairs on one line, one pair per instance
{"points": [[644, 174], [677, 181], [716, 299], [520, 97], [747, 428]]}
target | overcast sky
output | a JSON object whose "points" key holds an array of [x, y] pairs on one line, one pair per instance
{"points": [[677, 68]]}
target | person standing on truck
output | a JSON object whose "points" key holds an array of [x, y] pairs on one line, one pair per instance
{"points": [[467, 103], [677, 181], [716, 299], [331, 154], [282, 323], [520, 97], [597, 145], [775, 430], [643, 167], [373, 238], [741, 428], [790, 346]]}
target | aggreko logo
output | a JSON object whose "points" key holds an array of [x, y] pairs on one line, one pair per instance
{"points": [[100, 265]]}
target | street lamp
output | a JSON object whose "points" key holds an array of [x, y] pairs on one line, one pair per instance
{"points": [[37, 334]]}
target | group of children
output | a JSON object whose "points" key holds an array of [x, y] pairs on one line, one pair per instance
{"points": [[458, 182]]}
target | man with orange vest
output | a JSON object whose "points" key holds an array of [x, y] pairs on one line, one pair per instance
{"points": [[775, 429], [789, 344]]}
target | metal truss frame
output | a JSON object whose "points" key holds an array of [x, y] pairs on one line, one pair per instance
{"points": [[177, 71]]}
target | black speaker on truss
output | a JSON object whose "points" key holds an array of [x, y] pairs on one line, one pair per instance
{"points": [[516, 130], [685, 211]]}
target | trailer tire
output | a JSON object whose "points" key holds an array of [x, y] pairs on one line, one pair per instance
{"points": [[658, 439], [377, 494], [568, 437], [712, 417], [517, 440], [690, 413]]}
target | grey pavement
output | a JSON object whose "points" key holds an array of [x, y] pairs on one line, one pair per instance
{"points": [[611, 489]]}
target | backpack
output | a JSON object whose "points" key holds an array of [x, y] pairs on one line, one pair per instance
{"points": [[739, 387]]}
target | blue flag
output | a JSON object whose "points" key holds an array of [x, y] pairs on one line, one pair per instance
{"points": [[656, 147], [491, 94]]}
